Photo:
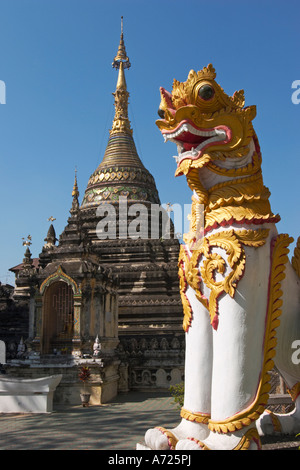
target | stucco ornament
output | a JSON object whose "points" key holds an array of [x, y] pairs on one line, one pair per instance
{"points": [[240, 293]]}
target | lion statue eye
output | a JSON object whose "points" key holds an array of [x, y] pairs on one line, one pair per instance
{"points": [[206, 92], [161, 113]]}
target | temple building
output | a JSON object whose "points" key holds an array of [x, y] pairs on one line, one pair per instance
{"points": [[106, 293]]}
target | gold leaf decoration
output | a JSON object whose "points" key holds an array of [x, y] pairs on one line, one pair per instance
{"points": [[296, 258], [231, 242], [187, 309], [196, 417]]}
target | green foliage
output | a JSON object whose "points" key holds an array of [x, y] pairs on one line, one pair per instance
{"points": [[177, 391]]}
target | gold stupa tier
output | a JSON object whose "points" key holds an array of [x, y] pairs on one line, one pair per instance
{"points": [[121, 173], [108, 184], [120, 151]]}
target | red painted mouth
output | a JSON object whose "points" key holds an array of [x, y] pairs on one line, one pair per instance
{"points": [[192, 141]]}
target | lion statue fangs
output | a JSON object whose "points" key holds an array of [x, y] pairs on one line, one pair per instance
{"points": [[240, 293]]}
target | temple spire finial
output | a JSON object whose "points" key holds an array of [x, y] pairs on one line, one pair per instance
{"points": [[121, 123], [121, 57], [75, 194]]}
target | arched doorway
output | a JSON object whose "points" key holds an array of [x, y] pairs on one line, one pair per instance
{"points": [[58, 318]]}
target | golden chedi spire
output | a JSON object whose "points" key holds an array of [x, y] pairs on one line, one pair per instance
{"points": [[121, 62], [121, 172]]}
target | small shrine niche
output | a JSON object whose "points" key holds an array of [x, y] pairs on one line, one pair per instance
{"points": [[58, 318], [69, 315]]}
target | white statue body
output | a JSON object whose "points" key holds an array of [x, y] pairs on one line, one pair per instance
{"points": [[97, 347], [240, 293]]}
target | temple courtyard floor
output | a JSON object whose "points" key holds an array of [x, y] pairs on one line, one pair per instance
{"points": [[116, 426]]}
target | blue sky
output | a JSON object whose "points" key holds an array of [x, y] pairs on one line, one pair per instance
{"points": [[55, 61]]}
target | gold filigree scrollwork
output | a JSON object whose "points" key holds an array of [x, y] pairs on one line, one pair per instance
{"points": [[187, 309], [205, 264], [121, 122], [194, 238]]}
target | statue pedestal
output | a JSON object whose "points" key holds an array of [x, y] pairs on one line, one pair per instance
{"points": [[27, 395]]}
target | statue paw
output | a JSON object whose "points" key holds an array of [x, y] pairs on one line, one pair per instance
{"points": [[160, 439], [268, 424]]}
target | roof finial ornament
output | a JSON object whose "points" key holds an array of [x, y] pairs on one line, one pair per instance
{"points": [[50, 238], [121, 123], [75, 191], [75, 194], [121, 57], [27, 242]]}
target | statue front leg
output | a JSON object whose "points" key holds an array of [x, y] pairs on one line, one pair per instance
{"points": [[197, 395], [235, 382], [243, 345]]}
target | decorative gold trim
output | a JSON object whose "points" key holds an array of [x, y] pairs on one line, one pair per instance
{"points": [[249, 436], [246, 417], [172, 440], [275, 421], [187, 309], [295, 391], [247, 170], [196, 185], [231, 241], [186, 93], [247, 187], [60, 275], [296, 258], [243, 199], [198, 417]]}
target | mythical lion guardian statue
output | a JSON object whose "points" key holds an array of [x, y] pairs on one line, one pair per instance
{"points": [[239, 291]]}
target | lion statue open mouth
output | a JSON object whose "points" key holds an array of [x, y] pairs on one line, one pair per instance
{"points": [[204, 122], [240, 293]]}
